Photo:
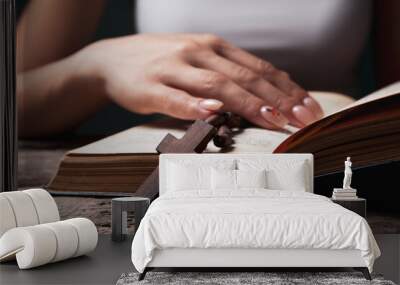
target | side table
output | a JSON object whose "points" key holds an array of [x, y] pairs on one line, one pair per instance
{"points": [[119, 214], [358, 205]]}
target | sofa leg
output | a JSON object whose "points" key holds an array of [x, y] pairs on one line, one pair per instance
{"points": [[364, 271], [142, 275]]}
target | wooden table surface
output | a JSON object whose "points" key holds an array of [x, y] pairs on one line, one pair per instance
{"points": [[38, 162]]}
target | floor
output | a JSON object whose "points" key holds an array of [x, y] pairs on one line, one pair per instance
{"points": [[106, 264], [103, 266]]}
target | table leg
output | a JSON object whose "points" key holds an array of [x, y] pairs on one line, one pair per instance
{"points": [[117, 218]]}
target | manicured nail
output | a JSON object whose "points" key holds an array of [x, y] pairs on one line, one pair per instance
{"points": [[211, 104], [273, 116], [313, 105], [302, 114]]}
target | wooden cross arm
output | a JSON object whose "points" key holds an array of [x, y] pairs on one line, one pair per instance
{"points": [[149, 188], [196, 138]]}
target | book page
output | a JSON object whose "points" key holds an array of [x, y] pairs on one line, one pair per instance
{"points": [[145, 138], [389, 90], [140, 139], [331, 102], [255, 139], [329, 121]]}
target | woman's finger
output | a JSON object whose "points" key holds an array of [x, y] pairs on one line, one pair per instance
{"points": [[244, 77], [180, 104], [312, 104], [282, 81], [279, 78], [210, 84], [250, 81]]}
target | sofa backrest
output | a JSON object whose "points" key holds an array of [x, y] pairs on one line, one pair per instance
{"points": [[293, 172]]}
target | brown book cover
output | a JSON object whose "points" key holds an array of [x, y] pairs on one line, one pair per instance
{"points": [[368, 130]]}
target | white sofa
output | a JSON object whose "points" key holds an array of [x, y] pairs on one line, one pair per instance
{"points": [[207, 189]]}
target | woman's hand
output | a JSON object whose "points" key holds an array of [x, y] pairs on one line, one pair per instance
{"points": [[193, 76], [184, 76]]}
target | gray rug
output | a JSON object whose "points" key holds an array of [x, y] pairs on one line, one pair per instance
{"points": [[268, 278]]}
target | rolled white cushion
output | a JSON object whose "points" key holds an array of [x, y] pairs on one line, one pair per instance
{"points": [[45, 205], [87, 235], [23, 208], [33, 246], [67, 240], [37, 245], [7, 218]]}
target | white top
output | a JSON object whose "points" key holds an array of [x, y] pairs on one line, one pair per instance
{"points": [[318, 42]]}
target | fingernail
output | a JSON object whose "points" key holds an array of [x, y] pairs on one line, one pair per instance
{"points": [[273, 116], [211, 104], [313, 106], [302, 114]]}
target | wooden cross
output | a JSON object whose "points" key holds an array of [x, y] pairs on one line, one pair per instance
{"points": [[195, 140]]}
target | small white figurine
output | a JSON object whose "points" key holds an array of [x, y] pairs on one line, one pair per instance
{"points": [[347, 192], [347, 174]]}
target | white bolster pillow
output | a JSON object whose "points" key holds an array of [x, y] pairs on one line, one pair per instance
{"points": [[67, 240], [46, 207], [26, 208], [87, 235], [40, 244], [23, 208], [7, 218]]}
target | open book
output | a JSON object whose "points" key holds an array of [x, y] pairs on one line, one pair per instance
{"points": [[368, 130]]}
